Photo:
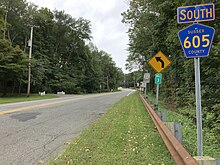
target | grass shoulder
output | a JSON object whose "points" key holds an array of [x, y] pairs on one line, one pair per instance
{"points": [[23, 97], [125, 134]]}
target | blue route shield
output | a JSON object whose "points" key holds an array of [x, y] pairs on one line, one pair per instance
{"points": [[196, 40]]}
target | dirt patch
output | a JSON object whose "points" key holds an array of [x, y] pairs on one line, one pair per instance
{"points": [[171, 106]]}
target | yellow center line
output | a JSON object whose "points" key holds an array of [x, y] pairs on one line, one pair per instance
{"points": [[44, 105]]}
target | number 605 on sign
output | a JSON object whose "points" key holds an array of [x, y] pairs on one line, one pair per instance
{"points": [[196, 40]]}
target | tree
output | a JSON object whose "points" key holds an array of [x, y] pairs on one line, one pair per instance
{"points": [[61, 59], [13, 63], [1, 23], [153, 28]]}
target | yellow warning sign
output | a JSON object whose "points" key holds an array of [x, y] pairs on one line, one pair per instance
{"points": [[159, 62]]}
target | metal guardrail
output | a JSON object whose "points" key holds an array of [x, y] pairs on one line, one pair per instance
{"points": [[177, 151]]}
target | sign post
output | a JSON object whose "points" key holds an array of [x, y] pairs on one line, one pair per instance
{"points": [[146, 80], [159, 62], [157, 97], [196, 41], [198, 107], [145, 90], [158, 81], [144, 86]]}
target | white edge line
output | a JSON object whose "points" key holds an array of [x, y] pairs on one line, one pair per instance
{"points": [[130, 93]]}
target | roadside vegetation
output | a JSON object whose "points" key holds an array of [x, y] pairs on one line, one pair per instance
{"points": [[153, 27], [63, 55], [211, 147], [123, 135], [21, 98]]}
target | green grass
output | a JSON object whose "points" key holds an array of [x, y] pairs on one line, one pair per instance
{"points": [[211, 147], [20, 98], [123, 135]]}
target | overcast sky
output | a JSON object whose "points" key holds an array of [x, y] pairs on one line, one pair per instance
{"points": [[109, 34]]}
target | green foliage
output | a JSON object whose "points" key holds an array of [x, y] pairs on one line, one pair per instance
{"points": [[131, 79], [1, 23], [61, 59], [153, 28], [13, 63], [186, 116]]}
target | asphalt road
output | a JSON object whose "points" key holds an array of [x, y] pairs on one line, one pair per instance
{"points": [[38, 130]]}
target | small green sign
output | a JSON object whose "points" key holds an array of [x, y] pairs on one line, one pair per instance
{"points": [[158, 78]]}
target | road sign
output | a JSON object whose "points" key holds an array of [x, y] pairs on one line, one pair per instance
{"points": [[196, 40], [198, 13], [142, 84], [159, 62], [147, 77], [158, 78]]}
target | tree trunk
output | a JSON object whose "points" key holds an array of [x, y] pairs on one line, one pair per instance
{"points": [[5, 88], [19, 89], [13, 89]]}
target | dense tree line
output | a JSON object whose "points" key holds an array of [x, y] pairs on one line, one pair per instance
{"points": [[153, 27], [63, 58]]}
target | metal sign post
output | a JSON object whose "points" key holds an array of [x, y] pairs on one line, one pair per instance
{"points": [[198, 107], [145, 90], [158, 81], [157, 96], [146, 81]]}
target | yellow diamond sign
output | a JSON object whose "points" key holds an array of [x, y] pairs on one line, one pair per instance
{"points": [[159, 62]]}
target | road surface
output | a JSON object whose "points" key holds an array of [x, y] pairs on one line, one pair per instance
{"points": [[38, 130]]}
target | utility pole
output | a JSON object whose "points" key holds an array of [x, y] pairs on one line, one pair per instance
{"points": [[29, 65]]}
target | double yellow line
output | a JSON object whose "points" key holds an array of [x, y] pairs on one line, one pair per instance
{"points": [[46, 104]]}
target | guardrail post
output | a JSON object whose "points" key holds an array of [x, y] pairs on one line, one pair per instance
{"points": [[163, 116], [155, 107], [178, 131]]}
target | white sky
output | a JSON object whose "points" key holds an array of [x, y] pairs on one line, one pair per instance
{"points": [[108, 33]]}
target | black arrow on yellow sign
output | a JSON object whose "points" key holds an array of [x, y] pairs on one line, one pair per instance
{"points": [[158, 59], [159, 62]]}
